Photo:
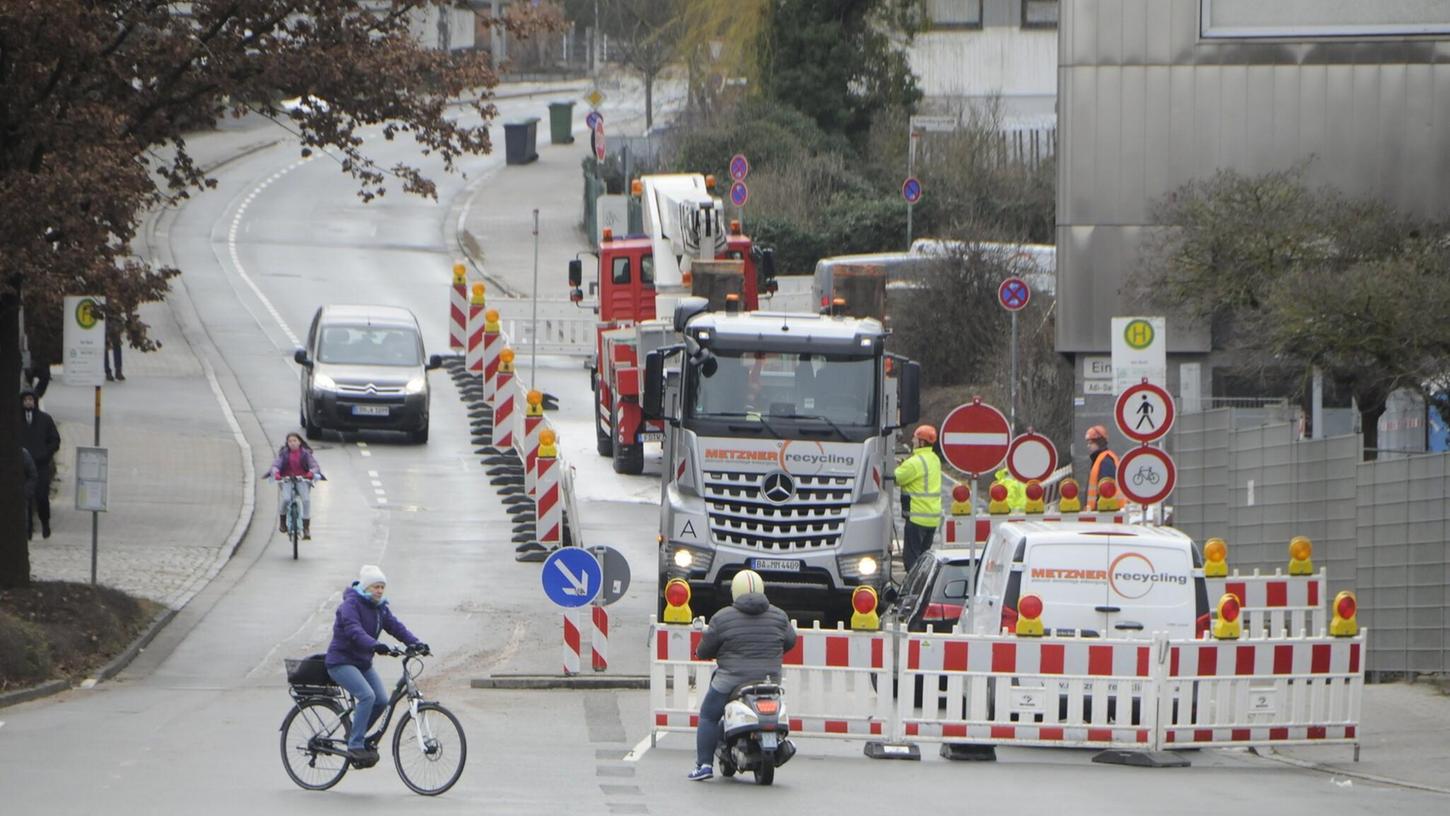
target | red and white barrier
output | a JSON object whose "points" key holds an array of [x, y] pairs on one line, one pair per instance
{"points": [[1277, 605], [533, 425], [548, 504], [967, 531], [473, 357], [505, 406], [828, 681], [599, 639], [458, 309], [493, 344], [571, 641]]}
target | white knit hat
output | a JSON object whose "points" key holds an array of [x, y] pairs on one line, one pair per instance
{"points": [[371, 574]]}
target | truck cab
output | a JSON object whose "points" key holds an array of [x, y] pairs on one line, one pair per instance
{"points": [[778, 432]]}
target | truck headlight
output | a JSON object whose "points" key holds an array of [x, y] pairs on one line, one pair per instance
{"points": [[867, 566], [683, 558], [860, 568]]}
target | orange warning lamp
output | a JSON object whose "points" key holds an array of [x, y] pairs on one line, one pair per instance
{"points": [[636, 188], [1029, 616], [460, 274], [1036, 497], [863, 606], [997, 499], [677, 601], [534, 403], [710, 182], [506, 361], [1108, 499], [547, 442], [735, 226], [1300, 552], [1345, 622], [1215, 558], [961, 500], [1071, 496], [1228, 626], [477, 297]]}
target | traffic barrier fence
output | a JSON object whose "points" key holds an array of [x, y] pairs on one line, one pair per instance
{"points": [[1277, 605]]}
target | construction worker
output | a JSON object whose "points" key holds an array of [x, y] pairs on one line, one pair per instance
{"points": [[919, 477], [1103, 463], [1016, 491]]}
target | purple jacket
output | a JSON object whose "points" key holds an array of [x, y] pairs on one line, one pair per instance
{"points": [[356, 629], [309, 462]]}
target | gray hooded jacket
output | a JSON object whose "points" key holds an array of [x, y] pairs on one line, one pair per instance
{"points": [[747, 641]]}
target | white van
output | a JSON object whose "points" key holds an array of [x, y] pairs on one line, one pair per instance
{"points": [[1095, 580]]}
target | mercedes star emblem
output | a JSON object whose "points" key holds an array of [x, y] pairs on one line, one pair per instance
{"points": [[778, 488]]}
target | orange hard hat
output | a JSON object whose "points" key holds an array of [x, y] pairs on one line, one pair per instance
{"points": [[926, 433], [1097, 432]]}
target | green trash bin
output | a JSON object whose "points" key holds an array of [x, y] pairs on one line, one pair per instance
{"points": [[561, 123]]}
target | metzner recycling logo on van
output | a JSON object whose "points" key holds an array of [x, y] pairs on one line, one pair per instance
{"points": [[1131, 575]]}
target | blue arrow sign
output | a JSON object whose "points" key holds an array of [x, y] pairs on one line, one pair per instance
{"points": [[911, 190], [571, 577]]}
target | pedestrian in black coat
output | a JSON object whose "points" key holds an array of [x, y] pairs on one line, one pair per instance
{"points": [[42, 440]]}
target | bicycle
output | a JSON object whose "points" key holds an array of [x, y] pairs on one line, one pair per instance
{"points": [[294, 512], [315, 731], [1145, 473]]}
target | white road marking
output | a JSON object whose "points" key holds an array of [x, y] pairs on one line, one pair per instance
{"points": [[379, 491], [376, 483], [373, 473], [361, 444], [237, 260], [366, 453], [642, 746]]}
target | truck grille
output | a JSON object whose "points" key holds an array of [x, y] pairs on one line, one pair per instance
{"points": [[741, 515]]}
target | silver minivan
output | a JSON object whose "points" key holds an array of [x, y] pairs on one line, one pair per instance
{"points": [[365, 369]]}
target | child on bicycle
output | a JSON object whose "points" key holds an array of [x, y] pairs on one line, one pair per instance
{"points": [[295, 459], [361, 618]]}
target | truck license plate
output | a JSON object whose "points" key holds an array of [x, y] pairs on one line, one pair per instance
{"points": [[370, 410], [652, 436], [775, 564]]}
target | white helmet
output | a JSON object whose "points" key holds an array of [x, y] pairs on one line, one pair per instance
{"points": [[745, 582]]}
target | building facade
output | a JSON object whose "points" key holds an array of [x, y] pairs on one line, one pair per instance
{"points": [[972, 51]]}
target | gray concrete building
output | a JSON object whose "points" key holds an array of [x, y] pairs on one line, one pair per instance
{"points": [[1154, 93]]}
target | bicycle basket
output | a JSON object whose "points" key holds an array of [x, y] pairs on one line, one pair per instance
{"points": [[308, 671]]}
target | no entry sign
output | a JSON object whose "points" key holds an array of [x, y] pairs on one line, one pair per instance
{"points": [[1144, 412], [1031, 456], [975, 437], [1147, 475]]}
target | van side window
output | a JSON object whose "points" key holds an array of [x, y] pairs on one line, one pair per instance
{"points": [[647, 270], [1021, 552], [620, 270]]}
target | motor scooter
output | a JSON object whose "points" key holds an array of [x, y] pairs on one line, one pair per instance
{"points": [[755, 732]]}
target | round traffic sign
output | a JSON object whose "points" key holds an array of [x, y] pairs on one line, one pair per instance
{"points": [[911, 190], [571, 576], [1147, 475], [593, 119], [1144, 412], [599, 139], [615, 581], [1031, 456], [974, 437], [739, 194], [739, 167], [1014, 294]]}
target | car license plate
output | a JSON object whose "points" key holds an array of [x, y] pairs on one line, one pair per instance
{"points": [[768, 740], [775, 564], [370, 410]]}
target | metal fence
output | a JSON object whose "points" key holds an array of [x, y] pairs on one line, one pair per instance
{"points": [[1382, 528]]}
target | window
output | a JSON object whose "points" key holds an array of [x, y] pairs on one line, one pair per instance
{"points": [[647, 270], [1307, 19], [620, 270], [1039, 13], [949, 14]]}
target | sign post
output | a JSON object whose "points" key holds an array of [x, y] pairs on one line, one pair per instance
{"points": [[84, 355], [1014, 294], [911, 191], [613, 584], [91, 478], [572, 578]]}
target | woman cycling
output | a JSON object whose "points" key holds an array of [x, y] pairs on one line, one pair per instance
{"points": [[361, 618], [295, 459]]}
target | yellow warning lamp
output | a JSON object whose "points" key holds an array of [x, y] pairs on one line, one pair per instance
{"points": [[1215, 558], [863, 605], [534, 404], [460, 274], [1029, 616], [1070, 494], [1346, 609], [961, 500], [1108, 499], [710, 182], [997, 500], [636, 188], [478, 293], [490, 320], [1300, 552], [547, 444], [1036, 497], [506, 361], [1228, 626], [677, 601]]}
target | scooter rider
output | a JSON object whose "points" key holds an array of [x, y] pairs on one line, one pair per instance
{"points": [[747, 641]]}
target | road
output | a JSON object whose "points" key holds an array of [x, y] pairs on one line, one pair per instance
{"points": [[191, 725]]}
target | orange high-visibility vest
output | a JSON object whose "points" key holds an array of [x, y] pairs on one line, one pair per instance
{"points": [[1092, 493]]}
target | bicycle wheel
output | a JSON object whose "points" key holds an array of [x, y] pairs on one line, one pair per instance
{"points": [[294, 526], [429, 751], [309, 725]]}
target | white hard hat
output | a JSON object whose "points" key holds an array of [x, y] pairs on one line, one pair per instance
{"points": [[745, 582]]}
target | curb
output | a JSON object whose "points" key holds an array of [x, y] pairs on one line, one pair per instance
{"points": [[25, 695], [122, 660], [540, 682]]}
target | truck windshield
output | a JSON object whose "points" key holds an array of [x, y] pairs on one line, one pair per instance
{"points": [[835, 393]]}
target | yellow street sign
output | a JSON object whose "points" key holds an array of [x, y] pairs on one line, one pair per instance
{"points": [[594, 97]]}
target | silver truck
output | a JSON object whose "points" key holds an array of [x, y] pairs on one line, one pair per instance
{"points": [[779, 430]]}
